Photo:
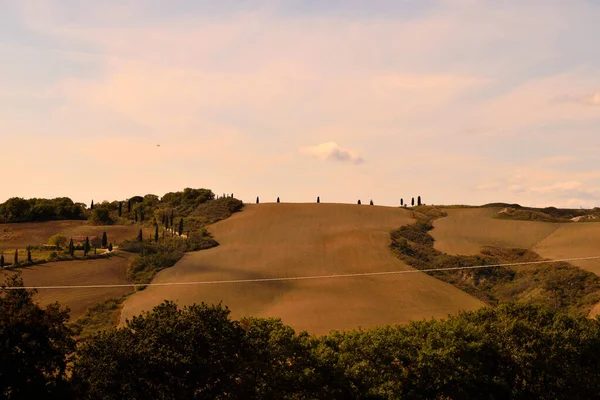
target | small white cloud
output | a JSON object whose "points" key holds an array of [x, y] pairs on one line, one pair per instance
{"points": [[332, 151], [558, 187], [593, 100]]}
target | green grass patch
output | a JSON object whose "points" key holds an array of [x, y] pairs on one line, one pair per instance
{"points": [[99, 317]]}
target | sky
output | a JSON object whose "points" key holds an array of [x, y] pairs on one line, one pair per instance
{"points": [[456, 101]]}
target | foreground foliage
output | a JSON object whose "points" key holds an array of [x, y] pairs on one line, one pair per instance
{"points": [[514, 351], [34, 346]]}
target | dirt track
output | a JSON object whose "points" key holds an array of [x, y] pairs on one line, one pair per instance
{"points": [[284, 240]]}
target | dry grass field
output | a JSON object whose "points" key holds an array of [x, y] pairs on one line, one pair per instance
{"points": [[465, 231], [86, 272], [287, 240], [35, 233]]}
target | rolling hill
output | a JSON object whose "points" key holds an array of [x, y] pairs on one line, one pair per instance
{"points": [[287, 240], [466, 230]]}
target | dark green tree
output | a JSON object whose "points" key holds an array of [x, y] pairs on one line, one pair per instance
{"points": [[172, 222], [110, 247], [371, 202], [140, 236], [200, 359], [358, 202], [104, 240], [128, 206], [136, 216], [180, 230], [16, 259], [401, 202], [1, 260], [29, 259], [86, 246], [419, 200], [318, 199], [35, 344], [142, 215], [278, 199], [257, 200], [92, 205], [120, 208], [71, 248], [156, 234], [413, 202]]}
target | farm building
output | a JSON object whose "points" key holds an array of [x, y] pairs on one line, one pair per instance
{"points": [[95, 241]]}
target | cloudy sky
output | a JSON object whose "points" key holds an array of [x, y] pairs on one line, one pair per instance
{"points": [[459, 101]]}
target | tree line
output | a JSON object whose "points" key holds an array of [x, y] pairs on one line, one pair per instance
{"points": [[514, 351]]}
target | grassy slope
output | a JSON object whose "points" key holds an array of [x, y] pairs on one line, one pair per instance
{"points": [[275, 240]]}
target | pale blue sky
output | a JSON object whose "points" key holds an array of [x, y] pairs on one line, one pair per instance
{"points": [[459, 101]]}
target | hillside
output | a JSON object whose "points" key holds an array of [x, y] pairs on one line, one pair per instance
{"points": [[111, 270], [286, 240], [466, 231]]}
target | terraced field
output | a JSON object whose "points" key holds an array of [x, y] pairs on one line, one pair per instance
{"points": [[290, 240]]}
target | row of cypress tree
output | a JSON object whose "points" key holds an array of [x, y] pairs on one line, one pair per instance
{"points": [[359, 202]]}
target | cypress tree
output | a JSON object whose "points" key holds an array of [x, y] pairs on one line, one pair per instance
{"points": [[142, 215], [318, 199], [166, 223], [371, 203], [278, 199], [128, 206], [172, 223], [401, 202], [104, 240], [71, 248], [120, 209], [140, 236], [86, 246], [413, 202], [1, 260], [358, 202], [110, 248], [95, 250], [136, 216], [419, 200], [257, 200], [92, 205], [180, 226], [29, 255], [16, 256], [156, 234]]}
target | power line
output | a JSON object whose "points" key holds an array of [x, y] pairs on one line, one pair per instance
{"points": [[298, 278]]}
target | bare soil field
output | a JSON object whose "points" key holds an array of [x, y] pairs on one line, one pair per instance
{"points": [[35, 233], [288, 240], [86, 272], [465, 231]]}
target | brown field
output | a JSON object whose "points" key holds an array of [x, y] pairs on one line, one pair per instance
{"points": [[86, 272], [465, 231], [36, 233], [286, 240]]}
